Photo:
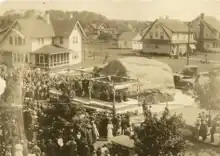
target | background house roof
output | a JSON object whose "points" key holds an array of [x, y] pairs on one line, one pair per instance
{"points": [[34, 27], [127, 36], [174, 25]]}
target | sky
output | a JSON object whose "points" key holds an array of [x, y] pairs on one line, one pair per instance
{"points": [[124, 9]]}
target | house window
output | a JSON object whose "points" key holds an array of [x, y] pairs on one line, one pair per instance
{"points": [[156, 46], [207, 45], [151, 34], [14, 57], [26, 58], [177, 36], [161, 35], [19, 40], [41, 58], [61, 40], [41, 40], [10, 40], [156, 34], [213, 44], [125, 43], [18, 57], [21, 57], [16, 40], [74, 40]]}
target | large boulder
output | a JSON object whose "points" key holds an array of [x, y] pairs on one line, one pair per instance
{"points": [[154, 76]]}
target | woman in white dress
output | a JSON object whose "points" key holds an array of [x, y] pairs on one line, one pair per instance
{"points": [[18, 148], [96, 132], [110, 130]]}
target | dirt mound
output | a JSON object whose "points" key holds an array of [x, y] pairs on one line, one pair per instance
{"points": [[154, 76]]}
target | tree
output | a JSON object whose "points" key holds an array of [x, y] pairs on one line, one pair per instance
{"points": [[159, 136], [11, 116], [105, 36], [207, 92]]}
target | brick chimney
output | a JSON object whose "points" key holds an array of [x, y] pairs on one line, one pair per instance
{"points": [[202, 15], [47, 17]]}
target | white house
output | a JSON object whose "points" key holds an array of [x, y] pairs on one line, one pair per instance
{"points": [[167, 36], [33, 40], [69, 34], [130, 40], [207, 33]]}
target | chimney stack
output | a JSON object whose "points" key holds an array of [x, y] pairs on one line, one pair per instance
{"points": [[202, 15], [47, 17]]}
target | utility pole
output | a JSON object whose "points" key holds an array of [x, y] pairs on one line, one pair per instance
{"points": [[188, 47]]}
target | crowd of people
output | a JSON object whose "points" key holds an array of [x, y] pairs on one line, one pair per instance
{"points": [[59, 131], [38, 85], [205, 126]]}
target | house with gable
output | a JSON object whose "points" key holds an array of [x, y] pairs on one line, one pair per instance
{"points": [[69, 34], [167, 36], [32, 40], [207, 32]]}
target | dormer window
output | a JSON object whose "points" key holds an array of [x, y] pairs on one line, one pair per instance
{"points": [[10, 40]]}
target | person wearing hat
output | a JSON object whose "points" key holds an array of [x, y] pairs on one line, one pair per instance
{"points": [[36, 149], [51, 148], [71, 147]]}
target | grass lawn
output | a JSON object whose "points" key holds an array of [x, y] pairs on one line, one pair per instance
{"points": [[211, 56], [176, 64]]}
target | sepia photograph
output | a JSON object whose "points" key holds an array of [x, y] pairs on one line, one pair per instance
{"points": [[109, 77]]}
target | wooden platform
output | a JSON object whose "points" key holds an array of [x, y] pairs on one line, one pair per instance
{"points": [[131, 105]]}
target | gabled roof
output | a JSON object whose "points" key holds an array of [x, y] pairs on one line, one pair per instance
{"points": [[212, 22], [176, 26], [33, 27], [64, 27], [144, 30], [127, 36], [30, 27], [51, 49], [3, 32]]}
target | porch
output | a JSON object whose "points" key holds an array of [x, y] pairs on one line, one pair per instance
{"points": [[51, 56]]}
